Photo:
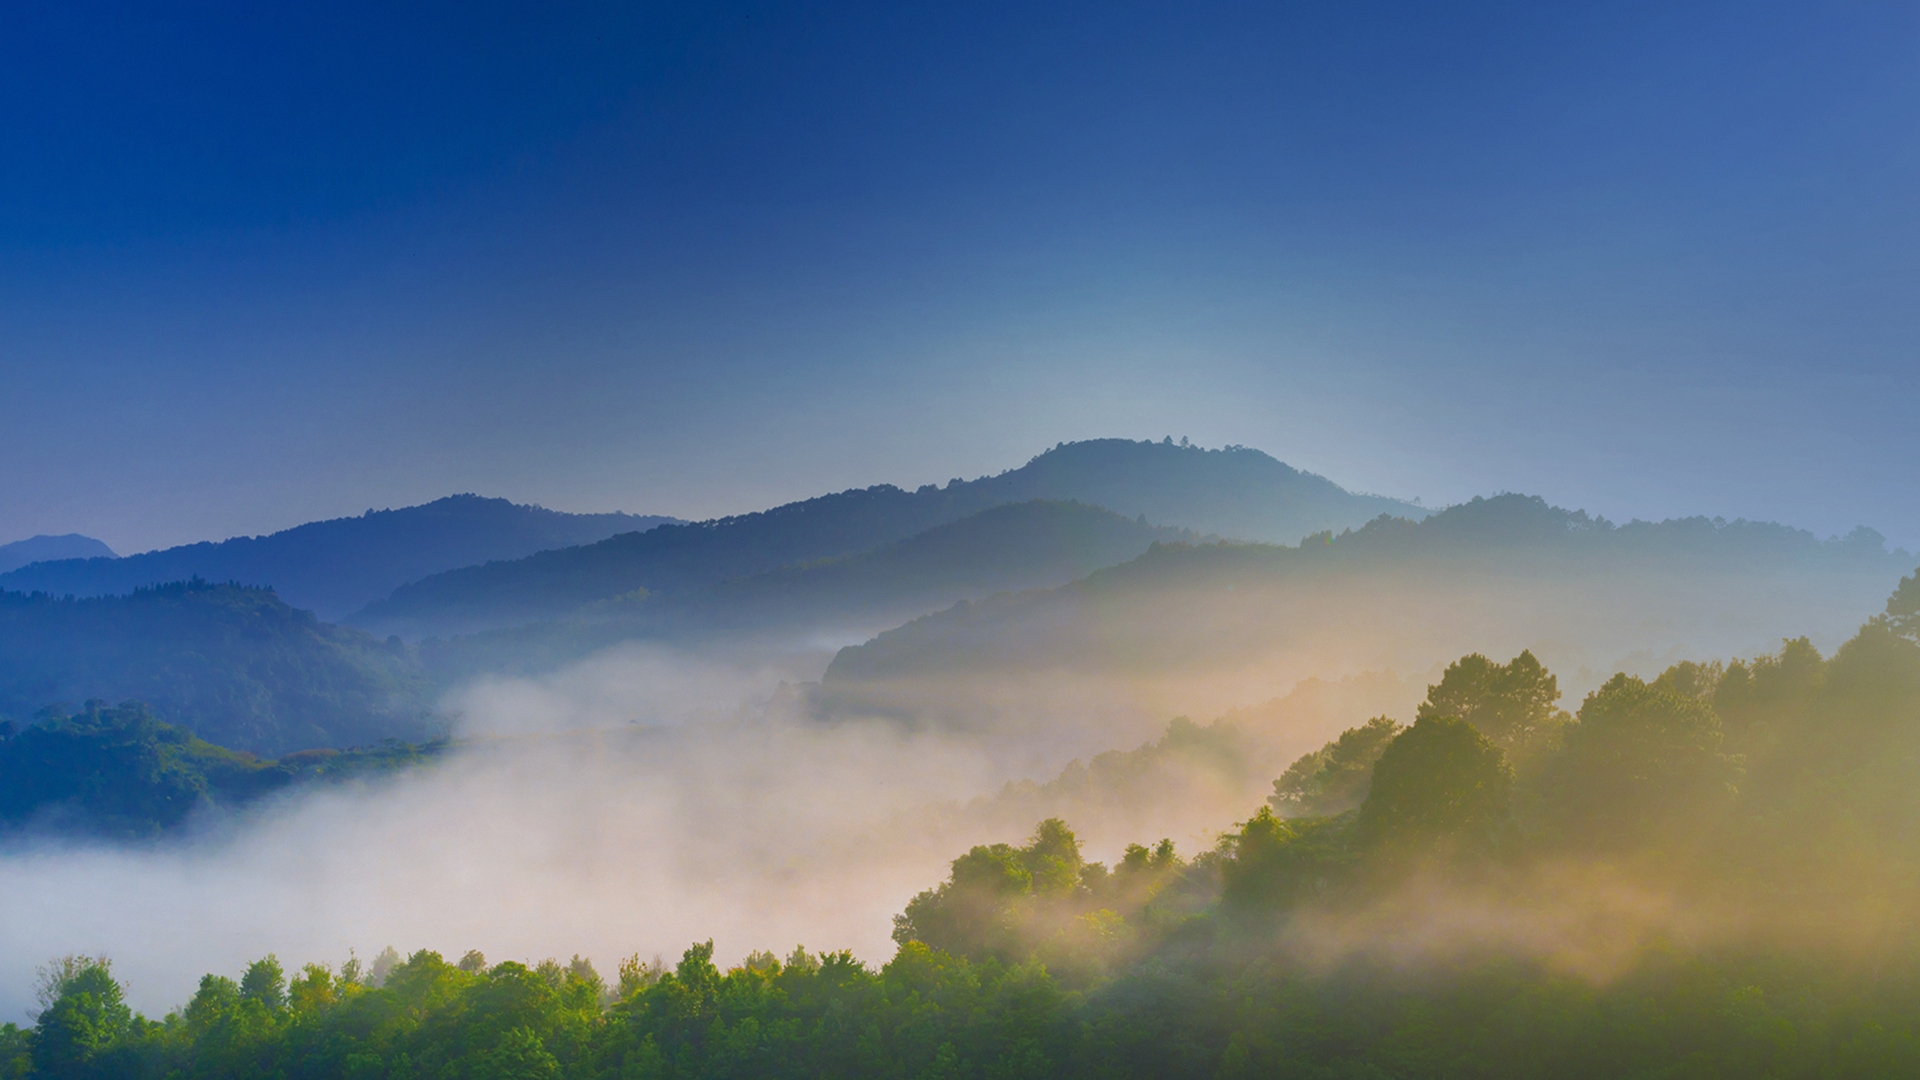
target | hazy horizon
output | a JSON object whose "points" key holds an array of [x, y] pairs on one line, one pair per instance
{"points": [[1562, 719], [1893, 542], [277, 267]]}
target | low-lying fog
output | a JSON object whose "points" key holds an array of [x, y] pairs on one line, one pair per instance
{"points": [[643, 800], [561, 827]]}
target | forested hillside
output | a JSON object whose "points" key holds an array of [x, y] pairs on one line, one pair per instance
{"points": [[334, 567], [1239, 489], [1501, 574], [1710, 873], [118, 772], [239, 666]]}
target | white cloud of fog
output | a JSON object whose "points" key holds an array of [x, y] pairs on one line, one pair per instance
{"points": [[645, 799], [648, 687], [636, 803]]}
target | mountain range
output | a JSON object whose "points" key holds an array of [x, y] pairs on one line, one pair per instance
{"points": [[1235, 492], [1228, 622], [1008, 548], [945, 590], [334, 567]]}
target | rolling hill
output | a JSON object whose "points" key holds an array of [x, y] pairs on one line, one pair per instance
{"points": [[237, 664], [1213, 624], [120, 773], [334, 567], [42, 548], [1003, 548]]}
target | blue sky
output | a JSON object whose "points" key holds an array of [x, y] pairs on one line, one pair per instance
{"points": [[259, 266]]}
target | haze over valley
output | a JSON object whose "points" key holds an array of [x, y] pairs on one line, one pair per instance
{"points": [[737, 729], [700, 541]]}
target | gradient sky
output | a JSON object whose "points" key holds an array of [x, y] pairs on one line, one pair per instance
{"points": [[261, 265]]}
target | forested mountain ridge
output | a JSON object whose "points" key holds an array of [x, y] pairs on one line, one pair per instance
{"points": [[1002, 548], [668, 560], [333, 567], [239, 665], [42, 548], [1388, 594], [1230, 492]]}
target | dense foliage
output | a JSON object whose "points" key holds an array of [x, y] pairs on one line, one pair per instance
{"points": [[117, 771], [238, 664], [1398, 939]]}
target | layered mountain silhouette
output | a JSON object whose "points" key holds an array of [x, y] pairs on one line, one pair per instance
{"points": [[1496, 574], [242, 668], [334, 567], [983, 584], [1004, 548], [1011, 548], [42, 548], [1235, 492]]}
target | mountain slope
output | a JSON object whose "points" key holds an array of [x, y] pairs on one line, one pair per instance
{"points": [[42, 548], [240, 666], [1227, 491], [334, 567], [1227, 622], [119, 772], [1019, 546]]}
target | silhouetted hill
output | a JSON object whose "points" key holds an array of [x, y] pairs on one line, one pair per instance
{"points": [[1495, 574], [334, 567], [41, 548], [1236, 491], [236, 663], [1019, 546]]}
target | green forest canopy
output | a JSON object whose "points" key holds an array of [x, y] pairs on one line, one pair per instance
{"points": [[1775, 793], [119, 772]]}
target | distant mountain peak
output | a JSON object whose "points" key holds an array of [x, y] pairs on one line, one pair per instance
{"points": [[46, 548], [1233, 491]]}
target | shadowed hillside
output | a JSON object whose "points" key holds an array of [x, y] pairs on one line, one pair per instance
{"points": [[1216, 623], [1233, 492], [1006, 548], [333, 567], [238, 664]]}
